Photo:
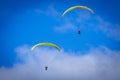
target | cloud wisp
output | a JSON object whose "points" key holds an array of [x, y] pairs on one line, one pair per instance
{"points": [[65, 28], [97, 64]]}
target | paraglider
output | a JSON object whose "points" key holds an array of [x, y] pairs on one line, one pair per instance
{"points": [[45, 44], [76, 7]]}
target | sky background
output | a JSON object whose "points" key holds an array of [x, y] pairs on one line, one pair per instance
{"points": [[24, 23]]}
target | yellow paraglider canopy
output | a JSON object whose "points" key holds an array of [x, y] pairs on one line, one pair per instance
{"points": [[45, 44], [75, 7]]}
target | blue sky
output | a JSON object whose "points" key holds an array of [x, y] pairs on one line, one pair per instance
{"points": [[29, 22]]}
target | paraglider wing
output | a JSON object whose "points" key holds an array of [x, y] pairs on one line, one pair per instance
{"points": [[45, 44], [75, 7]]}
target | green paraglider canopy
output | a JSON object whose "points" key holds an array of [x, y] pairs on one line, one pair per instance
{"points": [[76, 7], [45, 44]]}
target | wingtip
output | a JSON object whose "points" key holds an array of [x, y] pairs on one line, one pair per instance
{"points": [[32, 49]]}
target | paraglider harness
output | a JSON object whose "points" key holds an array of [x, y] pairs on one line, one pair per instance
{"points": [[46, 68]]}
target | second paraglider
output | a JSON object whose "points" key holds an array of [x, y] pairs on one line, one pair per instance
{"points": [[49, 45], [77, 7]]}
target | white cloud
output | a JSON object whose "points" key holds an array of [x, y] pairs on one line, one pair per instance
{"points": [[49, 11], [97, 23], [111, 30], [97, 64], [65, 27]]}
